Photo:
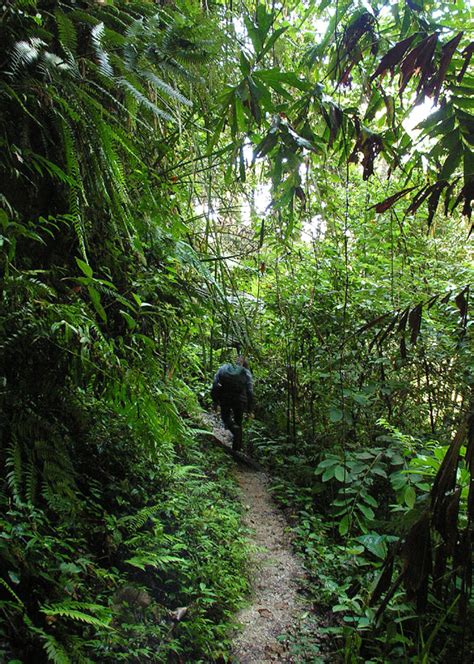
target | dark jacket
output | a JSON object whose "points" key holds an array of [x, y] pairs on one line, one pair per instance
{"points": [[230, 392]]}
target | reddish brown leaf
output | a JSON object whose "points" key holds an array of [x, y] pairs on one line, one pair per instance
{"points": [[470, 460], [371, 323], [462, 560], [445, 480], [356, 30], [446, 298], [433, 200], [299, 193], [467, 53], [421, 196], [461, 303], [414, 322], [403, 320], [334, 120], [448, 195], [389, 328], [385, 578], [391, 200], [345, 78], [392, 57], [466, 194], [447, 53], [445, 518], [419, 61], [370, 145], [403, 348], [439, 569], [451, 520]]}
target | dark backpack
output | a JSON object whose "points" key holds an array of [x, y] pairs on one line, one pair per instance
{"points": [[233, 380]]}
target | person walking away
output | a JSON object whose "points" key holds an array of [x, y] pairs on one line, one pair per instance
{"points": [[232, 389]]}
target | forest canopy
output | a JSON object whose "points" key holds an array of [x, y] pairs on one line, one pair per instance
{"points": [[182, 181]]}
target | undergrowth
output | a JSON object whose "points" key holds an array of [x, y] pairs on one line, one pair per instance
{"points": [[145, 564], [343, 569]]}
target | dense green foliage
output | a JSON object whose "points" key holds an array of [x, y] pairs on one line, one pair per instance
{"points": [[114, 515], [184, 178]]}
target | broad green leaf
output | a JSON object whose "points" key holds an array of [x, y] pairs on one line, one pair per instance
{"points": [[344, 523], [367, 511], [328, 474], [326, 463], [340, 474], [409, 496], [85, 267], [95, 299]]}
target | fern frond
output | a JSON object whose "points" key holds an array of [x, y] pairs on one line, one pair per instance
{"points": [[167, 89], [97, 34], [54, 650], [31, 482], [12, 593], [66, 31], [23, 54], [136, 521], [143, 100], [174, 67], [41, 164], [14, 465], [76, 611], [75, 187]]}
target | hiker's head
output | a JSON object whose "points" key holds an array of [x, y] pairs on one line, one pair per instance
{"points": [[242, 361]]}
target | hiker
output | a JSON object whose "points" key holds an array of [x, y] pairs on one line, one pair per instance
{"points": [[232, 389]]}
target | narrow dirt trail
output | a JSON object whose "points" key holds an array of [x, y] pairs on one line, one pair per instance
{"points": [[275, 605]]}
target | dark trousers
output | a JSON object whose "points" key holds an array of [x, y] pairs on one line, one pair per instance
{"points": [[232, 414]]}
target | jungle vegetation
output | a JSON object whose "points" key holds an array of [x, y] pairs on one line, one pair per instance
{"points": [[183, 179]]}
